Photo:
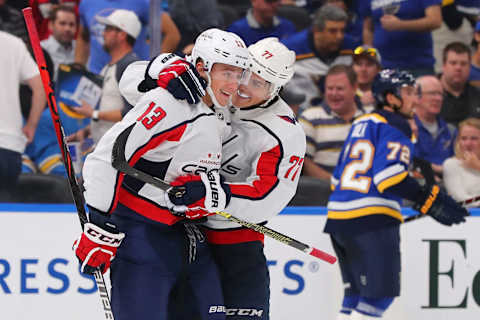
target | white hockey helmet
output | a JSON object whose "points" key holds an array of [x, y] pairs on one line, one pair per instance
{"points": [[218, 46], [272, 61]]}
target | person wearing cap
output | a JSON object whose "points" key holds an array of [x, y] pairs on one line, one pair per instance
{"points": [[89, 50], [122, 27], [475, 66], [367, 64]]}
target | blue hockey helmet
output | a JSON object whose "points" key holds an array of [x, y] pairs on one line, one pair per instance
{"points": [[390, 81]]}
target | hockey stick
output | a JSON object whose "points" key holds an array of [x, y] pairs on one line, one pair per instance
{"points": [[427, 172], [120, 163], [67, 160]]}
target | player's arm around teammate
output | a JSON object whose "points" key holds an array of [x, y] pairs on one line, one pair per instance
{"points": [[262, 161], [165, 138]]}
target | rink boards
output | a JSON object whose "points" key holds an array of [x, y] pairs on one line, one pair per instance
{"points": [[39, 276]]}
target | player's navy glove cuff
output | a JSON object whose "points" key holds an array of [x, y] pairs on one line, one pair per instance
{"points": [[440, 206]]}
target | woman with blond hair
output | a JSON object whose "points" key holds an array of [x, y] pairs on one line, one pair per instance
{"points": [[461, 173]]}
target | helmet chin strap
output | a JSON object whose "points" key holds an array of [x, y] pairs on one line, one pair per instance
{"points": [[272, 96], [210, 92]]}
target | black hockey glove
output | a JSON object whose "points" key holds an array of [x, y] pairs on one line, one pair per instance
{"points": [[440, 206], [176, 75], [197, 196]]}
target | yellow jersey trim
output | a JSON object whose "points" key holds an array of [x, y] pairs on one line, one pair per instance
{"points": [[393, 180], [305, 56], [47, 166], [357, 213]]}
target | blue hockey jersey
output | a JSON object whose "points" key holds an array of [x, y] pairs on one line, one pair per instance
{"points": [[376, 156]]}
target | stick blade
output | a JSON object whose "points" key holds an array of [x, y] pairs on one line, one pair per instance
{"points": [[323, 256]]}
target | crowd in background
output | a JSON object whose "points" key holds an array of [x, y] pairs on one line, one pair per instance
{"points": [[340, 47]]}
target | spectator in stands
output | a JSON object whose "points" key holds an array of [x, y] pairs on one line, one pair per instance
{"points": [[192, 19], [262, 22], [435, 138], [326, 126], [122, 27], [367, 63], [401, 31], [90, 39], [461, 174], [17, 66], [474, 77], [354, 28], [461, 100], [42, 11], [317, 49], [61, 44], [11, 21]]}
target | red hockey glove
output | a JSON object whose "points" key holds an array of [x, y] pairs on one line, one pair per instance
{"points": [[175, 74], [96, 248], [197, 196]]}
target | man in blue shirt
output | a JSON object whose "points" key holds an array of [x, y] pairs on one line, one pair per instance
{"points": [[475, 66], [261, 22], [401, 31], [435, 138]]}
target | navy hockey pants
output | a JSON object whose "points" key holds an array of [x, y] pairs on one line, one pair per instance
{"points": [[245, 279], [148, 264]]}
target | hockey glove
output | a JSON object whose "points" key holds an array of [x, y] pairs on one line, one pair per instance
{"points": [[197, 196], [175, 74], [96, 248], [440, 206]]}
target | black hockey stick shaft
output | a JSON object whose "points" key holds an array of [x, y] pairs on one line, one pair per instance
{"points": [[120, 163], [67, 160]]}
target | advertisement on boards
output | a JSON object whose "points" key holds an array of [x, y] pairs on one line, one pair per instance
{"points": [[39, 277]]}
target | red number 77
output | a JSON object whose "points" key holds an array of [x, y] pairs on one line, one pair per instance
{"points": [[297, 164]]}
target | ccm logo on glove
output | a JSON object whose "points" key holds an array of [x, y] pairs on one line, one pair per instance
{"points": [[103, 238]]}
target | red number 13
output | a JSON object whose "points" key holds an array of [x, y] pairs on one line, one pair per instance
{"points": [[152, 116]]}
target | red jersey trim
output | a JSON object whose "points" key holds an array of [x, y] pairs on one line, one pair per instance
{"points": [[233, 236], [171, 135], [146, 208], [267, 169]]}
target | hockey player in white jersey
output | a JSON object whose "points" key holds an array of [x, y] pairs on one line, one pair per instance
{"points": [[131, 220], [261, 161]]}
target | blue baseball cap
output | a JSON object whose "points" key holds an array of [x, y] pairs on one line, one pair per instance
{"points": [[477, 27]]}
